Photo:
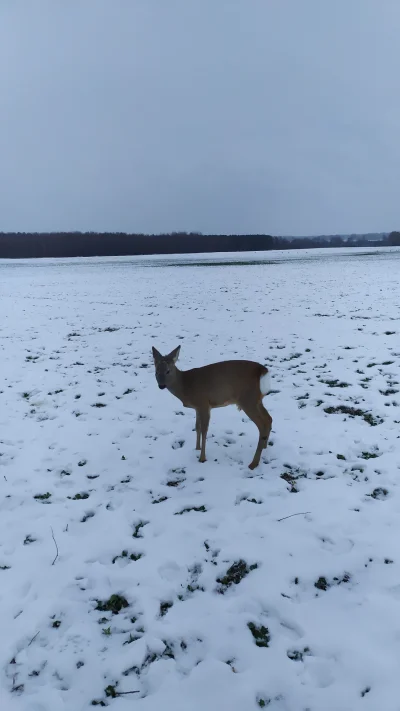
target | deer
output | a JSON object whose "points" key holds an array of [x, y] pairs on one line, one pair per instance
{"points": [[243, 383]]}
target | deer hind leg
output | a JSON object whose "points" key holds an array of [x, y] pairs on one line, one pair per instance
{"points": [[198, 430], [204, 417], [268, 422], [263, 420]]}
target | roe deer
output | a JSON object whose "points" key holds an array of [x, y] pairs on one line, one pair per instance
{"points": [[231, 382]]}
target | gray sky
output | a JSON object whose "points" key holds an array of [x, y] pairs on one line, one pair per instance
{"points": [[275, 116]]}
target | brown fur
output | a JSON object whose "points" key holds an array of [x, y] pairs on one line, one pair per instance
{"points": [[231, 382]]}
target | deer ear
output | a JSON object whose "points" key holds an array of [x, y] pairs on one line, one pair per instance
{"points": [[156, 355], [174, 355]]}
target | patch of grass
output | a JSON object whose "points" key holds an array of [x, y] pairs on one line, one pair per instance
{"points": [[294, 356], [5, 567], [82, 462], [131, 556], [29, 539], [335, 383], [290, 480], [18, 689], [199, 509], [260, 633], [235, 574], [99, 404], [132, 638], [175, 482], [341, 456], [128, 391], [379, 493], [114, 604], [150, 658], [354, 412], [80, 496], [345, 578], [389, 391], [321, 584], [292, 476], [42, 497], [87, 516], [111, 691], [56, 624], [160, 500], [138, 526], [296, 655], [369, 455], [106, 631], [164, 607]]}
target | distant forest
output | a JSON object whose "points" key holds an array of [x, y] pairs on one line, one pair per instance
{"points": [[20, 245]]}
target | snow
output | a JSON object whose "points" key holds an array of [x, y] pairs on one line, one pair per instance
{"points": [[82, 419]]}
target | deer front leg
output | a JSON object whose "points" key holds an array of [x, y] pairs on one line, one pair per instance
{"points": [[198, 430], [204, 416]]}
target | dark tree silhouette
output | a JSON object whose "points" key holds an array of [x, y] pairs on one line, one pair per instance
{"points": [[394, 239], [14, 245]]}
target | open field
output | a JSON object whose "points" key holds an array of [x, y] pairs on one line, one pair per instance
{"points": [[127, 566]]}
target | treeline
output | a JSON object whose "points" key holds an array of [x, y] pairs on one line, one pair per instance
{"points": [[20, 245]]}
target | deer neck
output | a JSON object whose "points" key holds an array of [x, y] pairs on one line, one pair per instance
{"points": [[176, 387]]}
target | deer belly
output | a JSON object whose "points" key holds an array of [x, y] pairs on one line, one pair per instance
{"points": [[223, 403]]}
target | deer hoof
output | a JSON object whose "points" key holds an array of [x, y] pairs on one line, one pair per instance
{"points": [[202, 459], [253, 465]]}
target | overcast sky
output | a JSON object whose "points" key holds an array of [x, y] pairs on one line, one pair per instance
{"points": [[273, 116]]}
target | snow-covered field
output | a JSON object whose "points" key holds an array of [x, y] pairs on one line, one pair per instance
{"points": [[126, 565]]}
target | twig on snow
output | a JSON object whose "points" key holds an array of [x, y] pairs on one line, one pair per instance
{"points": [[124, 693], [33, 639], [301, 513], [55, 543]]}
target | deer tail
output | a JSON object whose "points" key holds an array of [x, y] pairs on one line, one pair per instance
{"points": [[265, 382]]}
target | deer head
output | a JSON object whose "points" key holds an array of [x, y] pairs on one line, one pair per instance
{"points": [[165, 367]]}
